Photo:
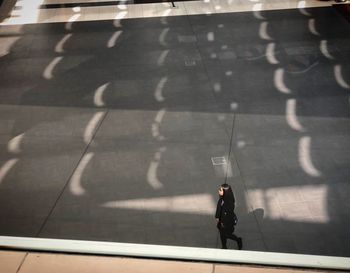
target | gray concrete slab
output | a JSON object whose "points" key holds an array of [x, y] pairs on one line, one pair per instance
{"points": [[126, 131], [125, 196], [80, 42], [166, 126], [147, 86], [328, 147], [276, 241], [40, 148]]}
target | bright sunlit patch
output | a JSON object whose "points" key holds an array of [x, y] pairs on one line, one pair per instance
{"points": [[120, 15], [301, 4], [270, 53], [279, 81], [160, 115], [339, 78], [305, 157], [263, 34], [301, 7], [6, 168], [162, 57], [92, 126], [166, 13], [218, 160], [29, 11], [98, 97], [6, 44], [269, 198], [213, 55], [257, 8], [76, 9], [155, 126], [158, 94], [117, 23], [324, 50], [312, 27], [241, 144], [198, 204], [164, 20], [122, 5], [291, 116], [71, 20], [210, 36], [234, 106], [152, 177], [48, 72], [59, 48], [74, 18], [75, 184], [163, 35], [217, 87], [14, 145], [113, 40]]}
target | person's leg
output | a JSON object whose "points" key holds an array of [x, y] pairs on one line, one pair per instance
{"points": [[232, 236], [223, 238]]}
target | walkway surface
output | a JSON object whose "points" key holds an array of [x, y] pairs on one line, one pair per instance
{"points": [[118, 123], [23, 262]]}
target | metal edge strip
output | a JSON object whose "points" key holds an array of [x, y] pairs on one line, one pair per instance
{"points": [[174, 252]]}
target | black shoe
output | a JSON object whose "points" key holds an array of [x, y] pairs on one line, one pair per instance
{"points": [[224, 247], [240, 243]]}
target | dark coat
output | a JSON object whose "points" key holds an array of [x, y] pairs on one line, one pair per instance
{"points": [[225, 215]]}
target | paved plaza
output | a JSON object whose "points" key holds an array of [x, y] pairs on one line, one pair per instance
{"points": [[122, 130]]}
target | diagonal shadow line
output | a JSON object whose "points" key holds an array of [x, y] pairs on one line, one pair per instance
{"points": [[69, 178]]}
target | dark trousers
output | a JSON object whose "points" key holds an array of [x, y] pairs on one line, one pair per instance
{"points": [[226, 234]]}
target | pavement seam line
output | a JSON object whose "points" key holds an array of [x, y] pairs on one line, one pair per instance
{"points": [[70, 176], [209, 80], [256, 220], [239, 171], [22, 262], [204, 67], [244, 184], [230, 146]]}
